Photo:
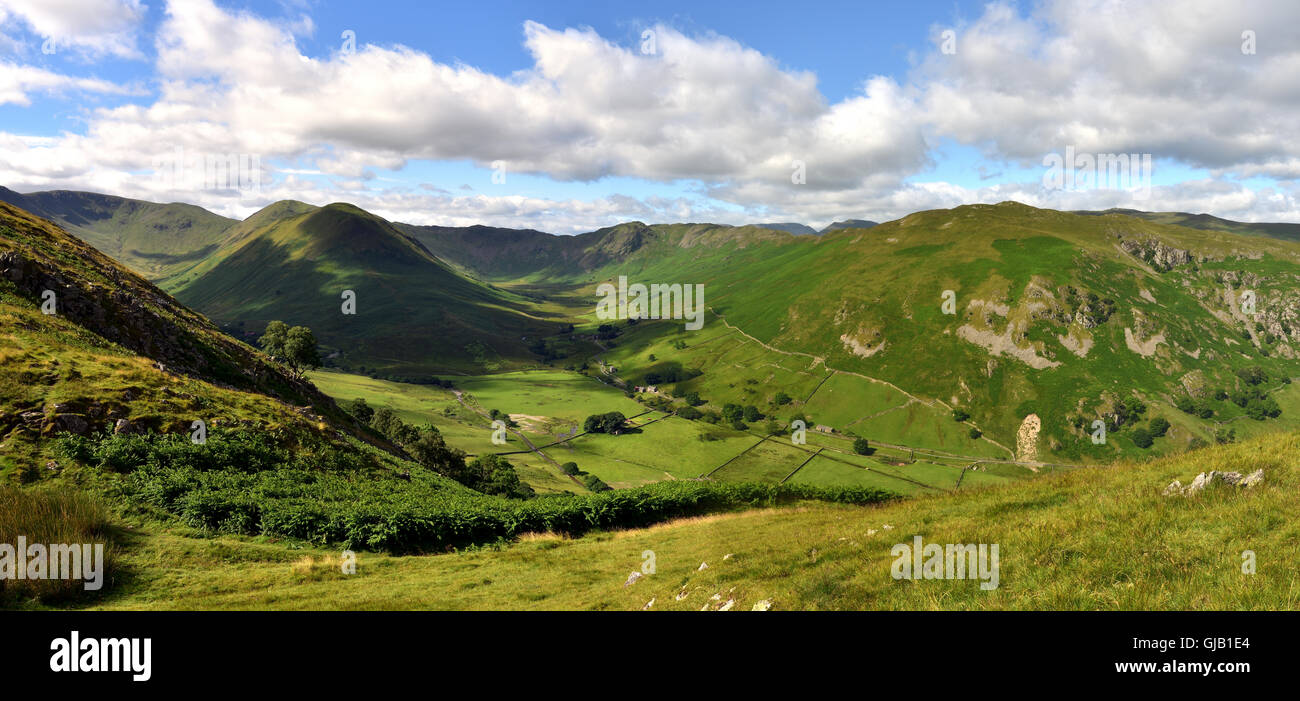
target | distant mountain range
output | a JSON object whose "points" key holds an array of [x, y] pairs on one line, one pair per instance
{"points": [[1064, 315], [805, 230]]}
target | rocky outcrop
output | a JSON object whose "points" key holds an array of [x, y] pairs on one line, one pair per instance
{"points": [[1206, 479], [1156, 253]]}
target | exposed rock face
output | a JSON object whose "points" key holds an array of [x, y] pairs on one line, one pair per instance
{"points": [[1156, 253]]}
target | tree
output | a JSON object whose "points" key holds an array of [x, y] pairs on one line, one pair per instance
{"points": [[493, 474], [273, 340], [693, 398], [295, 346], [1142, 438], [570, 468], [960, 415], [975, 433], [430, 450], [752, 414], [862, 447], [689, 412], [781, 399], [612, 423], [360, 410], [1159, 426]]}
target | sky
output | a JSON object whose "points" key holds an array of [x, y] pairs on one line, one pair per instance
{"points": [[569, 116]]}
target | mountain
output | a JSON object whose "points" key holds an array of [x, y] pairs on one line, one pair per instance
{"points": [[848, 224], [791, 228], [294, 262], [1071, 318], [109, 353], [152, 239], [1209, 222], [524, 254]]}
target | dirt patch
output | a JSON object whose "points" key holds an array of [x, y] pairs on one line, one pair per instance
{"points": [[530, 423], [1146, 348], [1002, 344], [1077, 345], [860, 349], [1027, 439]]}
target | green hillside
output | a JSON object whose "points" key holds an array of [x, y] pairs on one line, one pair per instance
{"points": [[152, 239], [414, 313], [1094, 539], [1209, 222], [1069, 317]]}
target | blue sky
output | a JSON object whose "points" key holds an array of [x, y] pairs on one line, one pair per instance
{"points": [[590, 130]]}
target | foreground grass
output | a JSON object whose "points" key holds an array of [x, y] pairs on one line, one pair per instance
{"points": [[1099, 538]]}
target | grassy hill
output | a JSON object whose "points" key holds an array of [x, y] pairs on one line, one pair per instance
{"points": [[1209, 222], [152, 239], [1060, 315], [1097, 538], [414, 313]]}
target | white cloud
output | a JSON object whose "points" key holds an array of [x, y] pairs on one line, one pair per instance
{"points": [[727, 120], [94, 27], [18, 82]]}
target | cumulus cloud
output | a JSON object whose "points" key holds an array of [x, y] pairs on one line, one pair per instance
{"points": [[1125, 77], [94, 27], [724, 122]]}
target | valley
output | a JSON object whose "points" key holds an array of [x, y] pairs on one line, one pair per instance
{"points": [[941, 368]]}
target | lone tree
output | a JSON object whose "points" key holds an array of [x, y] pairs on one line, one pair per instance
{"points": [[295, 346], [862, 447]]}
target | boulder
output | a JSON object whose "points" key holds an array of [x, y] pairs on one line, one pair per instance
{"points": [[71, 423]]}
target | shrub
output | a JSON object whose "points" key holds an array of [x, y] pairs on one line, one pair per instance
{"points": [[595, 484], [1159, 426], [1142, 438]]}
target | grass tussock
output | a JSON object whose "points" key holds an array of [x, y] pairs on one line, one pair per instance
{"points": [[51, 516]]}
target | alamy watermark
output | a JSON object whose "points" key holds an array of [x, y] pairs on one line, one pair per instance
{"points": [[950, 561], [38, 561], [1079, 171], [656, 301], [182, 170]]}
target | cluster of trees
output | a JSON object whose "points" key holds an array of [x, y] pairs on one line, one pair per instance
{"points": [[489, 474], [1249, 395], [612, 423], [1145, 437], [737, 415]]}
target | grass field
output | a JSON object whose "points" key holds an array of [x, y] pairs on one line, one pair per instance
{"points": [[1095, 538], [550, 404]]}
